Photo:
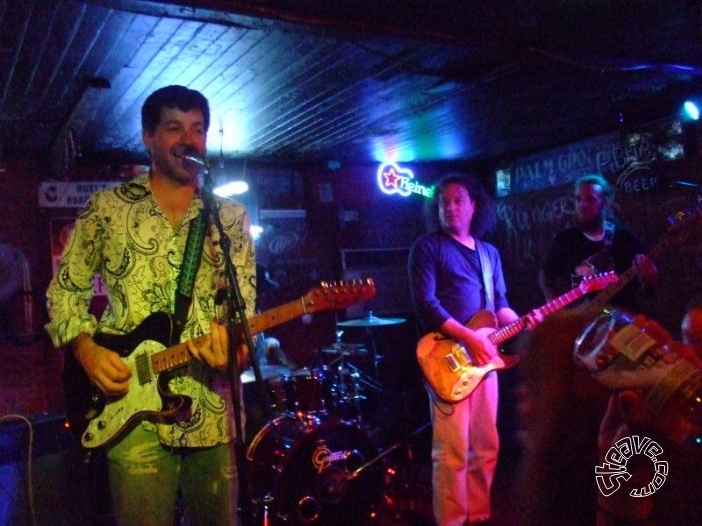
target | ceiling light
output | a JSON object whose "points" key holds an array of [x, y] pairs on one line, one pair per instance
{"points": [[232, 188], [691, 110]]}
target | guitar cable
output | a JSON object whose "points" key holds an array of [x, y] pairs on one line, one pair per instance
{"points": [[30, 476]]}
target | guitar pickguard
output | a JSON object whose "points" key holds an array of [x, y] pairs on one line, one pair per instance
{"points": [[145, 399]]}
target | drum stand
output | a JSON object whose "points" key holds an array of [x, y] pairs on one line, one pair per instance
{"points": [[346, 376], [402, 494]]}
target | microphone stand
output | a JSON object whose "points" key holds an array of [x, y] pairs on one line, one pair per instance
{"points": [[235, 309]]}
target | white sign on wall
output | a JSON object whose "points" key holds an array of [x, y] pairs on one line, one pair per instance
{"points": [[55, 194]]}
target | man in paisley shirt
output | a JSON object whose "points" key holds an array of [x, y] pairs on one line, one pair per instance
{"points": [[134, 237], [595, 244]]}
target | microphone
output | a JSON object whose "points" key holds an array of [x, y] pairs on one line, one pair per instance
{"points": [[191, 155]]}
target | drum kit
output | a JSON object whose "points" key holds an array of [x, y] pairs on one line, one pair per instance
{"points": [[314, 462]]}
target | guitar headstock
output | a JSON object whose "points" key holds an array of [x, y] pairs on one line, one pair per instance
{"points": [[598, 281], [338, 295]]}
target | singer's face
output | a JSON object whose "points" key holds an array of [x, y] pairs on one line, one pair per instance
{"points": [[176, 131]]}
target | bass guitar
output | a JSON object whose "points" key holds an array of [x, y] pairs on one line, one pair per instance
{"points": [[446, 364], [99, 419]]}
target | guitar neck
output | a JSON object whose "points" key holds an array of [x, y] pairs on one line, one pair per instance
{"points": [[277, 316], [603, 298], [611, 290], [178, 355], [512, 329]]}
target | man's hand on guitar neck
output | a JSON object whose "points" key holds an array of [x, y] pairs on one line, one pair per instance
{"points": [[645, 270], [213, 348], [104, 368]]}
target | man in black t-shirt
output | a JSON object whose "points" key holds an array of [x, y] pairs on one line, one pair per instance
{"points": [[596, 244]]}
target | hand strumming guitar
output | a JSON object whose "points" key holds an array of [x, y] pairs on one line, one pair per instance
{"points": [[104, 368]]}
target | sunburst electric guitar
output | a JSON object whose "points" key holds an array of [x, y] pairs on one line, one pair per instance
{"points": [[446, 364], [99, 419]]}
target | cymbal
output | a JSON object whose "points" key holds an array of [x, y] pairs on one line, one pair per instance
{"points": [[346, 349], [267, 371], [370, 321]]}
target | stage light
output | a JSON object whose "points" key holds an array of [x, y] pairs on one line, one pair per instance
{"points": [[256, 231], [232, 188], [691, 110]]}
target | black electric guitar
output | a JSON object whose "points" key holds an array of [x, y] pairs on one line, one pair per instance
{"points": [[99, 419], [446, 364], [682, 226]]}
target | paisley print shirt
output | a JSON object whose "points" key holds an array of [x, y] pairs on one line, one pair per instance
{"points": [[123, 235]]}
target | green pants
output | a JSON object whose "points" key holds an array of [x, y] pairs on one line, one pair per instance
{"points": [[145, 477]]}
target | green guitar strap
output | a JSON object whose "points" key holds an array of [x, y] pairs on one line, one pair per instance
{"points": [[188, 270]]}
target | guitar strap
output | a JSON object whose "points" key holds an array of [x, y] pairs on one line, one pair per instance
{"points": [[486, 268], [608, 234], [188, 270]]}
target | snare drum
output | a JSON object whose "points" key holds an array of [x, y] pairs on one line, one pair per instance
{"points": [[323, 475]]}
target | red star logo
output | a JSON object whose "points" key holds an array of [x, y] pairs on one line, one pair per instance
{"points": [[391, 178]]}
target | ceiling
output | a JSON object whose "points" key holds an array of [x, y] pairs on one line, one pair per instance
{"points": [[347, 81]]}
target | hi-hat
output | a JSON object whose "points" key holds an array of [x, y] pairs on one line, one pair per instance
{"points": [[346, 349], [370, 321], [267, 371]]}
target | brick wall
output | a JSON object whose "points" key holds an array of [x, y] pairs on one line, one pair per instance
{"points": [[31, 367]]}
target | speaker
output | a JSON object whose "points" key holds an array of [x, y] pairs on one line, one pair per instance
{"points": [[44, 476]]}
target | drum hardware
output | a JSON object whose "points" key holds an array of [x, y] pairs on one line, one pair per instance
{"points": [[345, 388], [382, 454], [371, 321], [346, 349], [267, 372], [347, 368]]}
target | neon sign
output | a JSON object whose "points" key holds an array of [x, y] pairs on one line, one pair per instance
{"points": [[395, 180]]}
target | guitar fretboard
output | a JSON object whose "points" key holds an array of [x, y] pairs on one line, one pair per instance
{"points": [[512, 329], [178, 355], [589, 284]]}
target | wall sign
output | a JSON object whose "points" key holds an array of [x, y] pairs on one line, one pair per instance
{"points": [[395, 180], [608, 154], [57, 194]]}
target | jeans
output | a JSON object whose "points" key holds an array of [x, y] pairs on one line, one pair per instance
{"points": [[465, 445], [145, 477]]}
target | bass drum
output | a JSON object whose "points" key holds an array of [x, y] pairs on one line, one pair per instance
{"points": [[305, 474]]}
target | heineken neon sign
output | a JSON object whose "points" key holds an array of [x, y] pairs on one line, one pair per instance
{"points": [[395, 180]]}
